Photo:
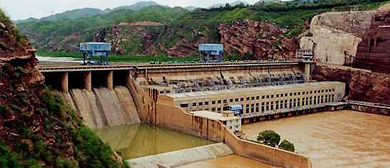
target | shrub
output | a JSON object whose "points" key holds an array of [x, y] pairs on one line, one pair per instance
{"points": [[8, 159], [286, 145], [65, 163], [269, 137]]}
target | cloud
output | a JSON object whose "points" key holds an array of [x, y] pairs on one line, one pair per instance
{"points": [[23, 9]]}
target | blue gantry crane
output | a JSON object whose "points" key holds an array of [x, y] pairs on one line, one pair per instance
{"points": [[91, 50], [211, 52]]}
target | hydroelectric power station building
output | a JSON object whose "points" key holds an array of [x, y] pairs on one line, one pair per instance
{"points": [[262, 101]]}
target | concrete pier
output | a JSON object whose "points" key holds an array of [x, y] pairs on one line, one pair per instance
{"points": [[65, 82], [88, 81]]}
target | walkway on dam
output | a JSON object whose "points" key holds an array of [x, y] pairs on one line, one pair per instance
{"points": [[182, 157], [159, 66]]}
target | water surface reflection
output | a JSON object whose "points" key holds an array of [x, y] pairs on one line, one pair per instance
{"points": [[139, 140], [344, 139]]}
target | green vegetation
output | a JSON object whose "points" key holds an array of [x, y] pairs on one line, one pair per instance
{"points": [[123, 58], [38, 129], [286, 145], [271, 138], [179, 23]]}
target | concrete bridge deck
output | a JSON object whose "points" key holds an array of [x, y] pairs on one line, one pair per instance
{"points": [[87, 77], [160, 66]]}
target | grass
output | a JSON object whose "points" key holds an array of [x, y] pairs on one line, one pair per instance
{"points": [[122, 58]]}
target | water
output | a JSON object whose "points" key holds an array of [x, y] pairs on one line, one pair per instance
{"points": [[57, 59], [231, 161], [344, 139], [139, 140]]}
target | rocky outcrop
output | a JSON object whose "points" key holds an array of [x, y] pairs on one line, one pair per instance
{"points": [[336, 35], [252, 39], [261, 40], [148, 38], [37, 129], [12, 44], [374, 51], [362, 85]]}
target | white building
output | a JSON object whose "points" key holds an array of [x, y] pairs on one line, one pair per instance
{"points": [[232, 122]]}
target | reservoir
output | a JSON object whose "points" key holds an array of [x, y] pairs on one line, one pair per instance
{"points": [[343, 139], [139, 140]]}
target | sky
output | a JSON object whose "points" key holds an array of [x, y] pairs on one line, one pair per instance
{"points": [[23, 9]]}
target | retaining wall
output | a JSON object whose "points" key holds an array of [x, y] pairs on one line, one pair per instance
{"points": [[168, 116]]}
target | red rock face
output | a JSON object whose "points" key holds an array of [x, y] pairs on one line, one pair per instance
{"points": [[261, 40], [374, 51], [16, 50], [146, 40], [12, 44], [247, 38], [361, 85]]}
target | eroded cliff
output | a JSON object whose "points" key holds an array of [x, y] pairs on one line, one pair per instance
{"points": [[335, 35], [249, 38], [261, 40], [362, 85], [37, 129]]}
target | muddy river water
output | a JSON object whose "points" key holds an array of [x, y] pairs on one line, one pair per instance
{"points": [[344, 139], [139, 140], [230, 161]]}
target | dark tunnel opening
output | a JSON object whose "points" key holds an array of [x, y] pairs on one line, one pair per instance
{"points": [[76, 80], [120, 78], [53, 80], [99, 79]]}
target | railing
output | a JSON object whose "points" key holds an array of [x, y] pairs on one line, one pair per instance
{"points": [[368, 104], [161, 66], [85, 68]]}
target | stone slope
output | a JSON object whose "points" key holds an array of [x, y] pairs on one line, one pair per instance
{"points": [[37, 129], [362, 85], [261, 40], [336, 35]]}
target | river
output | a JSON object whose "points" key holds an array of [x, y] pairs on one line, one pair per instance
{"points": [[344, 139], [138, 140], [230, 161]]}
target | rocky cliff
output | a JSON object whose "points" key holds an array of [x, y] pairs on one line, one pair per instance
{"points": [[335, 35], [261, 40], [244, 37], [36, 128], [149, 38], [362, 85]]}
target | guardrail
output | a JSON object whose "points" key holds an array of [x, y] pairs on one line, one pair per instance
{"points": [[160, 66], [84, 68]]}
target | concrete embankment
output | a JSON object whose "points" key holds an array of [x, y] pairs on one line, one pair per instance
{"points": [[103, 107], [182, 157]]}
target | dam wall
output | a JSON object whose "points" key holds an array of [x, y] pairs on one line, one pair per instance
{"points": [[103, 107], [220, 74]]}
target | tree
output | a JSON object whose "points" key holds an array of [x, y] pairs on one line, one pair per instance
{"points": [[286, 145], [269, 137]]}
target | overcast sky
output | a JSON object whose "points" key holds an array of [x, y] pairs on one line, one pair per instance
{"points": [[22, 9]]}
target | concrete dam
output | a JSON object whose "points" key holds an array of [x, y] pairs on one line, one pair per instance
{"points": [[101, 94], [109, 97], [103, 107]]}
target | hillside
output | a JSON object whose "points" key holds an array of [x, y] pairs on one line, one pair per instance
{"points": [[73, 14], [178, 31], [37, 129]]}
